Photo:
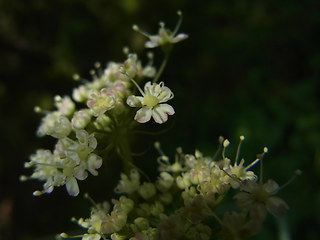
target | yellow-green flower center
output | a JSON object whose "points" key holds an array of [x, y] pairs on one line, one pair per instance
{"points": [[150, 100], [103, 102], [68, 172]]}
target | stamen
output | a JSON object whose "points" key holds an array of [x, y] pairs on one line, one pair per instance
{"points": [[137, 29], [57, 98], [161, 24], [87, 196], [163, 160], [295, 174], [178, 24], [259, 158], [150, 55], [126, 50], [93, 73], [38, 193], [136, 84], [265, 150], [157, 146], [23, 178], [218, 150], [64, 235], [97, 64], [42, 164], [38, 109], [252, 164], [238, 151], [225, 145], [76, 77]]}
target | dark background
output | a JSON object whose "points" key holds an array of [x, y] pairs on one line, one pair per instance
{"points": [[248, 68]]}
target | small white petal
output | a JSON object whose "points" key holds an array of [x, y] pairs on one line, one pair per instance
{"points": [[80, 172], [92, 142], [148, 88], [72, 187], [154, 42], [179, 37], [143, 115], [243, 199], [91, 237], [73, 156], [82, 136], [94, 162], [271, 187], [160, 113], [276, 206], [134, 101], [165, 95]]}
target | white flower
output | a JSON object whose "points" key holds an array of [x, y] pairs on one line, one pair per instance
{"points": [[164, 36], [127, 185], [71, 161], [260, 197], [64, 105], [152, 103], [81, 119], [100, 102], [93, 224], [54, 124]]}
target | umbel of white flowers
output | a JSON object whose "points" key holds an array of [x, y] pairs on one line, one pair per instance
{"points": [[104, 107]]}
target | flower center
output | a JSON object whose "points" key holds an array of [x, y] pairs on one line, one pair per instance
{"points": [[103, 101], [68, 172], [150, 100], [260, 195]]}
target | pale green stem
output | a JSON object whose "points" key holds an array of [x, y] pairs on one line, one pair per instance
{"points": [[125, 154], [261, 171], [162, 67]]}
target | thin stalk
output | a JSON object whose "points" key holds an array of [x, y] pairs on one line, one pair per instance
{"points": [[125, 154], [162, 67]]}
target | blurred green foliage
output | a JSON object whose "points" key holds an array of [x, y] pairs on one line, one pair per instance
{"points": [[249, 68]]}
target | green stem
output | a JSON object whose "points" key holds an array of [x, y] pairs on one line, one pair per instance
{"points": [[125, 154], [162, 67]]}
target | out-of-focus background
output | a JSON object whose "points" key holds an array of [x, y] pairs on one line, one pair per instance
{"points": [[248, 68]]}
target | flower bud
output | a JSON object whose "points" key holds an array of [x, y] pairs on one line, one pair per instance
{"points": [[164, 181], [183, 181], [166, 198], [64, 105], [81, 119], [156, 208], [141, 223], [147, 190], [80, 94], [61, 128]]}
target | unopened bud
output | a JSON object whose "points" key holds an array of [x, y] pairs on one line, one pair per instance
{"points": [[226, 143]]}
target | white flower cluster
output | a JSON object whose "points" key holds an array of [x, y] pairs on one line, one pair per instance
{"points": [[104, 108], [194, 185], [71, 160]]}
